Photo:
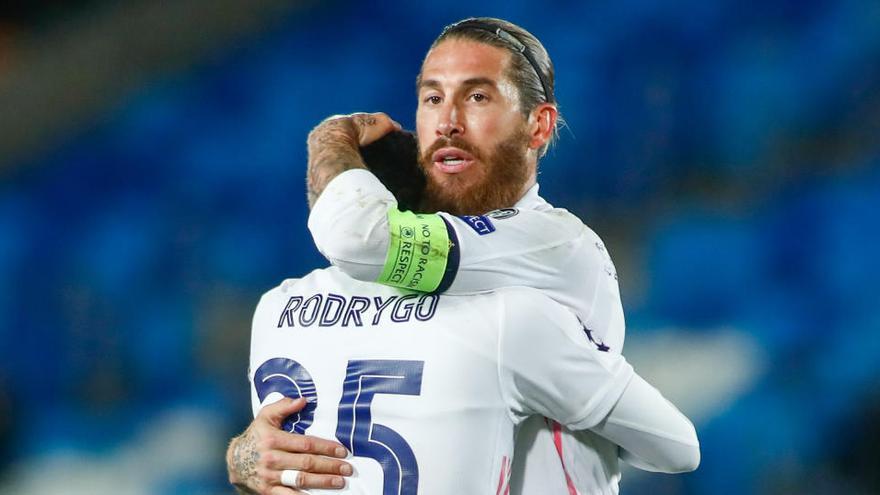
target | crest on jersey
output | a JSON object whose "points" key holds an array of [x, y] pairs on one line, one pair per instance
{"points": [[502, 213]]}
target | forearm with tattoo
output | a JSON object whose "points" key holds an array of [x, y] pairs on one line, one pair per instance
{"points": [[333, 149]]}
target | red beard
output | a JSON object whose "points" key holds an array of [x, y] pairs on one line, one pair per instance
{"points": [[500, 182]]}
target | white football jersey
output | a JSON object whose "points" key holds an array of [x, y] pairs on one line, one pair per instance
{"points": [[426, 390], [532, 244]]}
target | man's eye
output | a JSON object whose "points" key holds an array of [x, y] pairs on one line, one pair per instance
{"points": [[478, 97], [434, 100]]}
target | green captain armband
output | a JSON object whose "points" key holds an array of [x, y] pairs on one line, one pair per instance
{"points": [[417, 253]]}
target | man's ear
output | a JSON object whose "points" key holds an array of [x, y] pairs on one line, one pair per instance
{"points": [[542, 122]]}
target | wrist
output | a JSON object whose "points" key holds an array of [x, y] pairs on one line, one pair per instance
{"points": [[230, 465]]}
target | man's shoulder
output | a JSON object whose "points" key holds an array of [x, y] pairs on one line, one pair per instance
{"points": [[526, 305], [563, 215], [567, 228], [591, 238], [541, 210]]}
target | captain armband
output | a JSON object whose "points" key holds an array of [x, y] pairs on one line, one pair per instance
{"points": [[418, 254]]}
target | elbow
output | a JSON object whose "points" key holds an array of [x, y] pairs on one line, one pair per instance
{"points": [[692, 457], [687, 461], [694, 461], [671, 460], [680, 456], [341, 249], [351, 248], [687, 457], [352, 239], [683, 459], [355, 253]]}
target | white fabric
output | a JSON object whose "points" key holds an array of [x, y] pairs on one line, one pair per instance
{"points": [[542, 247], [588, 460], [662, 441], [489, 360]]}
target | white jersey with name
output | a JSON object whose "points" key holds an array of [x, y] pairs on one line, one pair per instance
{"points": [[426, 390], [532, 244]]}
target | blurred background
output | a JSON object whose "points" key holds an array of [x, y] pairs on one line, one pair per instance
{"points": [[152, 159]]}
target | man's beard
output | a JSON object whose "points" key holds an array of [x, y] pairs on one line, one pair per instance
{"points": [[500, 183]]}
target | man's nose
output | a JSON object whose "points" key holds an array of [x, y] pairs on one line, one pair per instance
{"points": [[449, 124]]}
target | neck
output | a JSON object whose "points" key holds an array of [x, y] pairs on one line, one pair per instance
{"points": [[528, 185]]}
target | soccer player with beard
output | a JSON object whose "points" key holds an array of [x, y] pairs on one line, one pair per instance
{"points": [[486, 114]]}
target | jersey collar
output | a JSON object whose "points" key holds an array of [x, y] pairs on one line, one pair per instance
{"points": [[532, 201]]}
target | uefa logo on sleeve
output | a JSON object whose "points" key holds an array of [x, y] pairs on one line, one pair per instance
{"points": [[502, 213]]}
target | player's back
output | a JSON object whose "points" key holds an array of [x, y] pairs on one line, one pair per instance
{"points": [[409, 383]]}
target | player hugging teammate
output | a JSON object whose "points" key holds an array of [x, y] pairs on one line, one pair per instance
{"points": [[520, 357]]}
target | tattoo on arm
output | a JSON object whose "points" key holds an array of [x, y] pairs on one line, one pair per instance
{"points": [[333, 149], [244, 461]]}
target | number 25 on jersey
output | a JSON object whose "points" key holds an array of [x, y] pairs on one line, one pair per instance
{"points": [[355, 428]]}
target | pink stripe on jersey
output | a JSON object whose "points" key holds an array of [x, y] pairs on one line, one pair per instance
{"points": [[557, 440], [504, 478], [501, 476]]}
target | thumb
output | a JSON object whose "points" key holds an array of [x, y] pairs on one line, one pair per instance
{"points": [[277, 412]]}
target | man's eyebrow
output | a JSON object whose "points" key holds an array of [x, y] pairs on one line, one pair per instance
{"points": [[474, 81], [480, 81], [428, 83]]}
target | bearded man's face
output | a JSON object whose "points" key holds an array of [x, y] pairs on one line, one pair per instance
{"points": [[497, 180], [473, 138]]}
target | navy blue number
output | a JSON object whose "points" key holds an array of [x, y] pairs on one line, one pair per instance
{"points": [[290, 379], [356, 430]]}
